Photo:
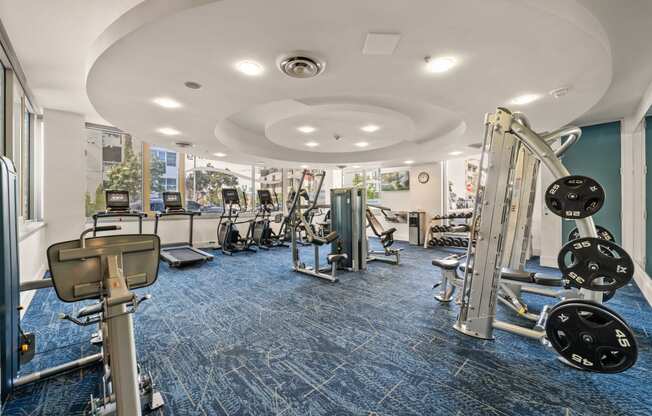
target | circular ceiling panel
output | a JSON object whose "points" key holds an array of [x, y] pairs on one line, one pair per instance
{"points": [[376, 92]]}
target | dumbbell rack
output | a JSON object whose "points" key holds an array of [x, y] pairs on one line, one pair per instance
{"points": [[440, 235]]}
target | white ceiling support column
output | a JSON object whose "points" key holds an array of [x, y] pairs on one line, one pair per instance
{"points": [[632, 142]]}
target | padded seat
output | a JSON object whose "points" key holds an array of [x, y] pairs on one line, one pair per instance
{"points": [[388, 232], [446, 263], [517, 275], [331, 258], [547, 280], [320, 241]]}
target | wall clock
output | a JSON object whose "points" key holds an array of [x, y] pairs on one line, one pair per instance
{"points": [[424, 177]]}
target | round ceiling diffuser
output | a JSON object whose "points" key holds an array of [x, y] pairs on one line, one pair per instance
{"points": [[301, 66]]}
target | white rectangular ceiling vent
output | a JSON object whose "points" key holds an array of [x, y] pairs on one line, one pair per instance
{"points": [[380, 43]]}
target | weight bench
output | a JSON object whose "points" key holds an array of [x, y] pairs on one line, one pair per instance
{"points": [[386, 239], [449, 279]]}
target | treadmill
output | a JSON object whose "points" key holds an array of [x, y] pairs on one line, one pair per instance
{"points": [[179, 254], [117, 206]]}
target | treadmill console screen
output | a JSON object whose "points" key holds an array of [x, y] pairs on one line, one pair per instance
{"points": [[172, 200], [265, 197], [230, 196], [117, 200]]}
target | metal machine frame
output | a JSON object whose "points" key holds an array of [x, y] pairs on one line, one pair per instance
{"points": [[119, 210], [109, 268], [505, 133], [193, 255], [296, 220]]}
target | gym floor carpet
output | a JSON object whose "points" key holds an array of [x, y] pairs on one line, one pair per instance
{"points": [[244, 335]]}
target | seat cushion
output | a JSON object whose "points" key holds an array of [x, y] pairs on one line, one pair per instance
{"points": [[446, 264], [517, 275]]}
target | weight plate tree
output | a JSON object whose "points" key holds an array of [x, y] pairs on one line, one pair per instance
{"points": [[585, 260], [575, 197], [591, 337], [603, 233]]}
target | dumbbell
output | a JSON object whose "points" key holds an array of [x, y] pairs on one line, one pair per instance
{"points": [[465, 242], [457, 242]]}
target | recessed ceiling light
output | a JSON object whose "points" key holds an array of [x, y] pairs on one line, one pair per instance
{"points": [[362, 144], [409, 162], [356, 167], [440, 64], [312, 144], [306, 129], [304, 166], [455, 153], [166, 102], [219, 154], [525, 99], [169, 131], [370, 128], [250, 68]]}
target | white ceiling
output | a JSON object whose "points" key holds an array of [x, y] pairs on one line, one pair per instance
{"points": [[52, 40], [504, 49]]}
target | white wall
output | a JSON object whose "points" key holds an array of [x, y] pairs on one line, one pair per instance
{"points": [[420, 197], [64, 175], [32, 261]]}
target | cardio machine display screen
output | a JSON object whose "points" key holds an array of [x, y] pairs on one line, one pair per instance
{"points": [[172, 200], [230, 196], [117, 200], [265, 197]]}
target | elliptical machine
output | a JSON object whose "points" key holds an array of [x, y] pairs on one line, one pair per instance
{"points": [[263, 234], [228, 236]]}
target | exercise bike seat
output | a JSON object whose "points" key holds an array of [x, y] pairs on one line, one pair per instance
{"points": [[446, 263]]}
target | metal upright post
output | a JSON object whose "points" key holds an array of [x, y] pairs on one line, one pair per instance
{"points": [[482, 274]]}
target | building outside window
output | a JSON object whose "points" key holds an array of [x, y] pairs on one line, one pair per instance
{"points": [[205, 179], [113, 161], [271, 179]]}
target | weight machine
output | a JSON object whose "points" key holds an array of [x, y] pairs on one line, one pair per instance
{"points": [[585, 334], [297, 220]]}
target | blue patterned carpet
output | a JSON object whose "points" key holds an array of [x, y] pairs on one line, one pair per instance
{"points": [[244, 335]]}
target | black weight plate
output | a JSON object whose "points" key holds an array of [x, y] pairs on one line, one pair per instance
{"points": [[575, 197], [591, 336], [603, 233], [585, 260]]}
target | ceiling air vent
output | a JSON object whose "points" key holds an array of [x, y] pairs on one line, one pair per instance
{"points": [[183, 145], [301, 66], [475, 145]]}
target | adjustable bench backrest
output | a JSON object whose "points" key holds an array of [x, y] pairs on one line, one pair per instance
{"points": [[375, 225]]}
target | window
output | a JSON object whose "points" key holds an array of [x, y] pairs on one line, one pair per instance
{"points": [[162, 176], [205, 179], [462, 177], [171, 159], [113, 161], [310, 183], [272, 179]]}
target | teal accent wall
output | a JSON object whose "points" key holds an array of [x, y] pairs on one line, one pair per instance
{"points": [[648, 196], [597, 155]]}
